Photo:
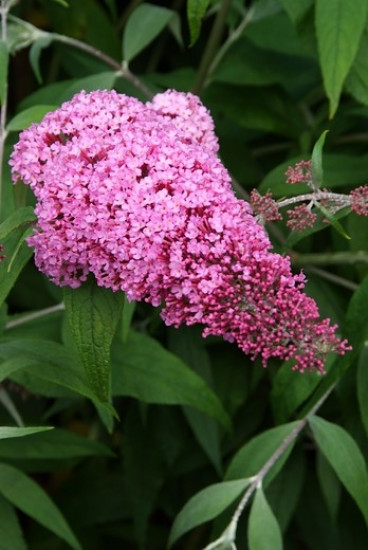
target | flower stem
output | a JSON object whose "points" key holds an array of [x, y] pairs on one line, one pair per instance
{"points": [[341, 281], [228, 535], [34, 315], [4, 8], [122, 69], [344, 200], [336, 258], [233, 37], [212, 44]]}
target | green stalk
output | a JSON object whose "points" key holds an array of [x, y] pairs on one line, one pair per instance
{"points": [[211, 48], [4, 8], [334, 258]]}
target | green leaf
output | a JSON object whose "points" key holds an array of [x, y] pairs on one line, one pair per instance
{"points": [[103, 81], [290, 391], [252, 456], [317, 168], [330, 485], [187, 343], [339, 170], [333, 221], [144, 466], [296, 9], [93, 313], [28, 116], [345, 457], [248, 65], [357, 80], [143, 369], [362, 385], [339, 27], [35, 52], [206, 505], [23, 217], [264, 9], [263, 530], [11, 537], [355, 331], [269, 110], [126, 318], [17, 253], [4, 61], [320, 224], [284, 493], [12, 432], [56, 444], [28, 496], [145, 23], [32, 360], [196, 10]]}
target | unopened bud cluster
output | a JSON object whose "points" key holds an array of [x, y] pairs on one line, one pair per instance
{"points": [[303, 213]]}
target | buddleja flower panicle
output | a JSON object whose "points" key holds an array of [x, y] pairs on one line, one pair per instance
{"points": [[136, 195]]}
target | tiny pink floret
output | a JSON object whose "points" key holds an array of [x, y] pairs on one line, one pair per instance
{"points": [[135, 194]]}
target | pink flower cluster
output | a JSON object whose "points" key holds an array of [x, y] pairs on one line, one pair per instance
{"points": [[135, 194]]}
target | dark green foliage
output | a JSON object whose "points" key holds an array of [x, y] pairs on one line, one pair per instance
{"points": [[119, 432]]}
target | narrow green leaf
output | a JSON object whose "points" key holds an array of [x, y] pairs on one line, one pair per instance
{"points": [[35, 53], [14, 364], [4, 61], [187, 343], [320, 224], [54, 444], [126, 318], [17, 253], [330, 485], [252, 456], [263, 530], [263, 9], [23, 217], [28, 116], [362, 385], [355, 330], [103, 81], [143, 369], [317, 168], [30, 360], [339, 27], [333, 221], [11, 537], [206, 505], [357, 80], [28, 496], [296, 9], [339, 171], [144, 467], [12, 432], [345, 457], [289, 391], [145, 23], [283, 493], [196, 10], [93, 313]]}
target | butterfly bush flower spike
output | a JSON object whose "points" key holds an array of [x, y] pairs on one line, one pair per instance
{"points": [[136, 195]]}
